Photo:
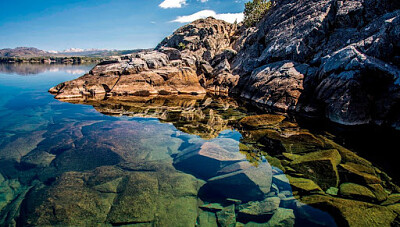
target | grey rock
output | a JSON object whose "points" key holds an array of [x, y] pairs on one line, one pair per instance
{"points": [[243, 181], [277, 85]]}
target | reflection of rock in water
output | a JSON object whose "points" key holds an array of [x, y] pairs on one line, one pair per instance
{"points": [[25, 69], [200, 115]]}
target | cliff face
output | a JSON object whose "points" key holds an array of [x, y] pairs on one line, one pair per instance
{"points": [[338, 59]]}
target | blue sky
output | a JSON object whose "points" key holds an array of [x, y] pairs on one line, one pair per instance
{"points": [[103, 24]]}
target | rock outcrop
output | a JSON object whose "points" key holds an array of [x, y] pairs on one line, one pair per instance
{"points": [[330, 58], [145, 74], [334, 58]]}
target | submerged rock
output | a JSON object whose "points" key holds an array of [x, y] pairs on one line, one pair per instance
{"points": [[304, 185], [244, 182], [205, 160], [260, 121], [356, 191], [282, 218], [207, 219], [227, 216], [110, 195], [352, 212], [214, 207], [356, 173], [260, 208], [320, 166]]}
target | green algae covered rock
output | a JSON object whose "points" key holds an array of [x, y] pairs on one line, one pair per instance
{"points": [[214, 207], [351, 212], [356, 191], [319, 166], [206, 219], [9, 190], [304, 185], [332, 191], [282, 218], [392, 199], [260, 208], [38, 158], [295, 142], [227, 216], [354, 173], [261, 121], [152, 193], [379, 192]]}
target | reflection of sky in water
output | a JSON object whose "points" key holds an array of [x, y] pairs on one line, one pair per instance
{"points": [[29, 112]]}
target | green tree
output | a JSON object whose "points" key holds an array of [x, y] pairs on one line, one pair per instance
{"points": [[255, 10]]}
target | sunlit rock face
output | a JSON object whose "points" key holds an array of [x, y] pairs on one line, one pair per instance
{"points": [[145, 74], [205, 38]]}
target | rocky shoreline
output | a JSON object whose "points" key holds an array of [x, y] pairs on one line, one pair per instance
{"points": [[333, 59]]}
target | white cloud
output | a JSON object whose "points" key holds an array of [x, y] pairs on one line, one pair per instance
{"points": [[172, 4], [203, 1], [229, 17]]}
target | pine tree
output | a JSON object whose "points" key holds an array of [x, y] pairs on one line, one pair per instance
{"points": [[255, 10]]}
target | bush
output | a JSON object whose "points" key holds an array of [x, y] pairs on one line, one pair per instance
{"points": [[181, 46], [255, 10]]}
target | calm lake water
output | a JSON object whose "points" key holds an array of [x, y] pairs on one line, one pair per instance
{"points": [[180, 161]]}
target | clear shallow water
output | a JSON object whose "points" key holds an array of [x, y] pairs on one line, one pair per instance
{"points": [[172, 161]]}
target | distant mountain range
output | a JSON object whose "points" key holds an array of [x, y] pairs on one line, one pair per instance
{"points": [[29, 52]]}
